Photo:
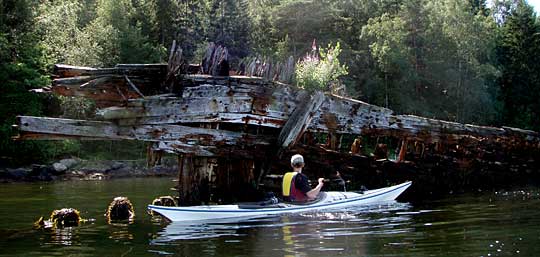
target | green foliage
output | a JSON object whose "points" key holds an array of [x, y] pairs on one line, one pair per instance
{"points": [[434, 58], [229, 25], [113, 35], [517, 52], [318, 73], [448, 59], [22, 67], [77, 108], [58, 22]]}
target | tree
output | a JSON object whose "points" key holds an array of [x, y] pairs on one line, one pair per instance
{"points": [[387, 36], [112, 35], [229, 25], [470, 39], [192, 22], [22, 67], [302, 21], [517, 52], [434, 59]]}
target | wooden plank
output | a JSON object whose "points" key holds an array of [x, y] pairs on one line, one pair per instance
{"points": [[104, 90], [97, 129], [68, 127], [145, 67], [268, 97], [336, 115], [148, 70], [349, 116], [49, 137], [182, 148], [191, 106], [175, 66], [99, 81], [78, 80], [64, 71], [201, 136], [229, 151], [223, 80], [273, 106], [232, 118], [133, 86], [299, 120], [103, 98]]}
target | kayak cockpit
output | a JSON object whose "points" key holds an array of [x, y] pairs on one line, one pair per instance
{"points": [[274, 204]]}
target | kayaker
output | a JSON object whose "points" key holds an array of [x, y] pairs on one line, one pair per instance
{"points": [[295, 185]]}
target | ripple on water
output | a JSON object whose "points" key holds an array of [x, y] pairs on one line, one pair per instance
{"points": [[348, 222], [504, 223]]}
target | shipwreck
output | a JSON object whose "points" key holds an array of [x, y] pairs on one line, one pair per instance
{"points": [[233, 134]]}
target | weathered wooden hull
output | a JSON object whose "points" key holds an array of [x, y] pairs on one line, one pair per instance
{"points": [[241, 102], [257, 122]]}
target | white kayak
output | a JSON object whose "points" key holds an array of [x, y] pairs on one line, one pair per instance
{"points": [[326, 200]]}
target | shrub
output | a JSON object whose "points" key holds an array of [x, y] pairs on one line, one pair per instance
{"points": [[317, 71]]}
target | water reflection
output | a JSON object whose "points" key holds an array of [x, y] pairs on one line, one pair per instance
{"points": [[298, 235], [288, 239], [504, 223], [120, 232], [64, 236], [207, 229]]}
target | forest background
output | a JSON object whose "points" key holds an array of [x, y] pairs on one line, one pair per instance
{"points": [[469, 61]]}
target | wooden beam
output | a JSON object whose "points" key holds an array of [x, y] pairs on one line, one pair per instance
{"points": [[299, 120], [66, 127], [182, 148], [232, 118], [178, 107], [58, 128], [133, 86], [349, 116], [64, 71]]}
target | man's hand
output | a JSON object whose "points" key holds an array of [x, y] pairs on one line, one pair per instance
{"points": [[312, 194]]}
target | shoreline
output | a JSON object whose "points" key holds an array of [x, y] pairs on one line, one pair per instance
{"points": [[81, 169]]}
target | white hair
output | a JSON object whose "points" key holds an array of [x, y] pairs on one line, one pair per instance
{"points": [[297, 160]]}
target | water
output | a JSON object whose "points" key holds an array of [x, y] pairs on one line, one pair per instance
{"points": [[485, 224]]}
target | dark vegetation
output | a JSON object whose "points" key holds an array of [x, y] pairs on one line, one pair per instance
{"points": [[463, 61]]}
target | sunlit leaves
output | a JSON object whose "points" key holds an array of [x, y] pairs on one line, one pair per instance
{"points": [[316, 71]]}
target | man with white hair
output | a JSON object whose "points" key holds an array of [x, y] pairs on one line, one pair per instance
{"points": [[295, 186]]}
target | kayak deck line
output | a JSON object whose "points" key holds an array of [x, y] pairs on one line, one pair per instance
{"points": [[343, 199]]}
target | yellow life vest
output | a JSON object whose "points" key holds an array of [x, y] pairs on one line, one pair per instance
{"points": [[287, 182]]}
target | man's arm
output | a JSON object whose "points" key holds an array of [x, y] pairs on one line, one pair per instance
{"points": [[312, 194]]}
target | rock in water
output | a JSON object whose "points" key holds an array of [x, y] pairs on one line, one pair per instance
{"points": [[66, 217], [59, 167], [69, 163], [163, 201], [120, 209]]}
